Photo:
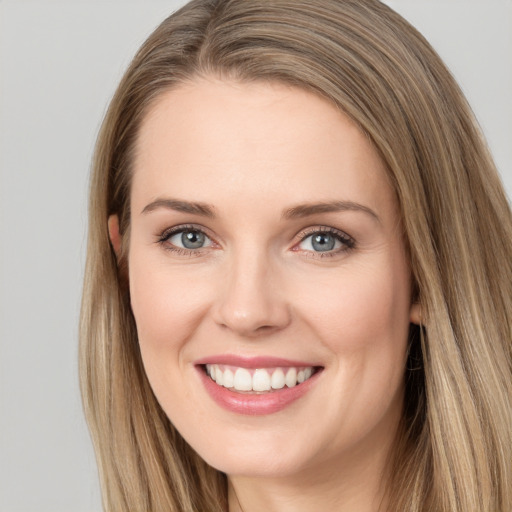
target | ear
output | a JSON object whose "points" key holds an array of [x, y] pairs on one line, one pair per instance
{"points": [[415, 313], [114, 235]]}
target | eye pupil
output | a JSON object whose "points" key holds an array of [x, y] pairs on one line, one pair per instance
{"points": [[192, 239], [323, 242]]}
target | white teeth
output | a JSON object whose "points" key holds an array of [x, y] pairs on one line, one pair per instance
{"points": [[277, 381], [219, 376], [291, 377], [229, 378], [259, 380], [243, 380]]}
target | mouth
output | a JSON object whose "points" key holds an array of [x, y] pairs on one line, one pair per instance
{"points": [[256, 386], [258, 380]]}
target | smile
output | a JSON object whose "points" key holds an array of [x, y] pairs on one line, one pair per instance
{"points": [[259, 379], [256, 386]]}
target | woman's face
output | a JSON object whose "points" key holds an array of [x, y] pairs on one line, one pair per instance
{"points": [[265, 248]]}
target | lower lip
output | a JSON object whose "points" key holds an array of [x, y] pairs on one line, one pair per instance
{"points": [[255, 404]]}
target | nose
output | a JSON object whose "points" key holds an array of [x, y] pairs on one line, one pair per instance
{"points": [[252, 301]]}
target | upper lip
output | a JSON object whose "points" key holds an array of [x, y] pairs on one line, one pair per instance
{"points": [[253, 361]]}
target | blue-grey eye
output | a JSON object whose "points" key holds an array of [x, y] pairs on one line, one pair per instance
{"points": [[321, 242], [190, 239]]}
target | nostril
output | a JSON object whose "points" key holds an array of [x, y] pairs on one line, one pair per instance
{"points": [[254, 320], [265, 328]]}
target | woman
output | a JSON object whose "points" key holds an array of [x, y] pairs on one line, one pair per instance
{"points": [[299, 279]]}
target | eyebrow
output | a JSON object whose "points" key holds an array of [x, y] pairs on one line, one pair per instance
{"points": [[202, 209], [308, 209], [296, 212]]}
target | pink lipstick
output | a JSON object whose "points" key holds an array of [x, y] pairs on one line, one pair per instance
{"points": [[256, 385]]}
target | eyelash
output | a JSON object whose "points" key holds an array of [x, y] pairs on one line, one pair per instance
{"points": [[164, 237], [348, 243]]}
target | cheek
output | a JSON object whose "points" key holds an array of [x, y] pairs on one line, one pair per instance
{"points": [[362, 319], [167, 305], [362, 313]]}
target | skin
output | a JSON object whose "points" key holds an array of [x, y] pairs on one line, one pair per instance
{"points": [[258, 288]]}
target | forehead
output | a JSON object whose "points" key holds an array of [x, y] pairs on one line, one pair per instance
{"points": [[217, 140]]}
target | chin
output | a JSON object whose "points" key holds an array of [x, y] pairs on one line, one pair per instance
{"points": [[259, 455]]}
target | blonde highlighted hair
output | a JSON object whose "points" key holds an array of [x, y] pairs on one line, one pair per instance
{"points": [[455, 448]]}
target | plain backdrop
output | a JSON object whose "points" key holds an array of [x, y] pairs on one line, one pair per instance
{"points": [[59, 64]]}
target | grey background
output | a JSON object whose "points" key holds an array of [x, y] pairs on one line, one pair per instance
{"points": [[59, 64]]}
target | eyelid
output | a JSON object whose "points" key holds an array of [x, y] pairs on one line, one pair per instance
{"points": [[347, 241], [168, 232], [164, 236]]}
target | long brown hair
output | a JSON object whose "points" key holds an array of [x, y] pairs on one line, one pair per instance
{"points": [[455, 450]]}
